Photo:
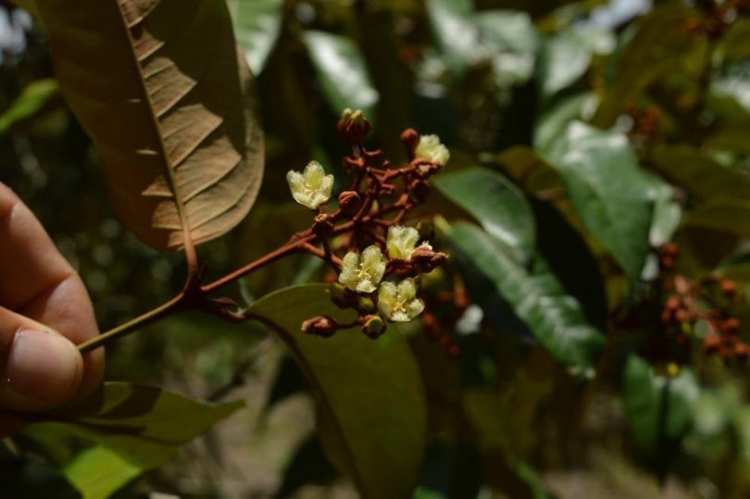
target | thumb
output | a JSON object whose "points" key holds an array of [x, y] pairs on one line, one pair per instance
{"points": [[39, 368]]}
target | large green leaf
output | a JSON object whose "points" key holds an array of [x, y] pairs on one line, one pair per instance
{"points": [[554, 318], [369, 394], [700, 175], [143, 425], [497, 204], [167, 99], [608, 190], [257, 24], [342, 71], [659, 408], [454, 29]]}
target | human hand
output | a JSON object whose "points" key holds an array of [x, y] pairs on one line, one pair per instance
{"points": [[44, 310]]}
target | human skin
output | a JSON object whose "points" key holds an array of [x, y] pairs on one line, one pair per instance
{"points": [[44, 311]]}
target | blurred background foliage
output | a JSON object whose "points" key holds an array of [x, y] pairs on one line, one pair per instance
{"points": [[588, 337]]}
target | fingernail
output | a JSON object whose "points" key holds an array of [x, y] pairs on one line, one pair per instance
{"points": [[42, 367]]}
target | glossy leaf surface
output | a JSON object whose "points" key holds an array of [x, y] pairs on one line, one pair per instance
{"points": [[554, 318], [343, 73], [257, 25], [497, 204], [608, 190], [167, 99], [369, 394]]}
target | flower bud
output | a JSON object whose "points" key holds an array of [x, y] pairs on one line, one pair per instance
{"points": [[322, 326], [350, 202], [410, 139], [712, 343], [425, 260], [729, 326], [353, 126], [741, 350], [342, 297], [365, 305], [728, 287], [373, 327]]}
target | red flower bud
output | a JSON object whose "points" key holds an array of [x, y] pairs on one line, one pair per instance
{"points": [[322, 326]]}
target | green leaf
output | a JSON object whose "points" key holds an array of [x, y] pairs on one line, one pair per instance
{"points": [[565, 57], [498, 205], [257, 24], [608, 190], [513, 41], [659, 408], [721, 214], [143, 425], [343, 73], [454, 29], [369, 394], [551, 125], [536, 297], [34, 99], [700, 175], [667, 212], [98, 472]]}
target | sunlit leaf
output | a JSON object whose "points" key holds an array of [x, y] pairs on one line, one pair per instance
{"points": [[34, 98], [369, 395], [551, 124], [659, 408], [98, 472], [257, 24], [608, 190], [513, 40], [667, 212], [566, 56], [454, 29], [143, 425], [343, 73], [554, 318], [497, 204], [167, 98]]}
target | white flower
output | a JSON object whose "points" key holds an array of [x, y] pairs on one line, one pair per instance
{"points": [[363, 273], [399, 303], [432, 150], [402, 242], [311, 188]]}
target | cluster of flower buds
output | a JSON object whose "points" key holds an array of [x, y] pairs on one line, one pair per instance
{"points": [[719, 15], [383, 260], [707, 302]]}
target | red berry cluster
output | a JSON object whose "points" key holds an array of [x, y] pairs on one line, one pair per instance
{"points": [[707, 301], [645, 124]]}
